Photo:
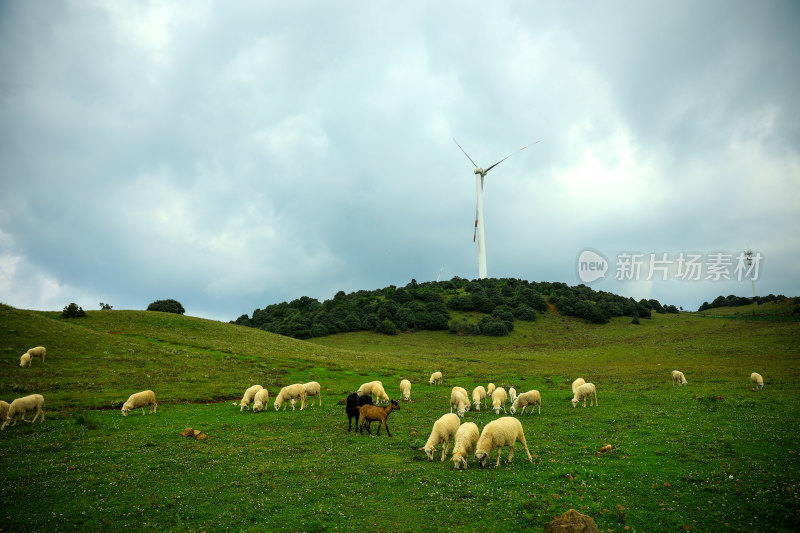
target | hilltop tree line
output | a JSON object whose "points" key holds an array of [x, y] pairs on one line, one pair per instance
{"points": [[430, 306], [736, 301]]}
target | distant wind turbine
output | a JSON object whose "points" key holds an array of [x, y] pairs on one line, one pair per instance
{"points": [[480, 173]]}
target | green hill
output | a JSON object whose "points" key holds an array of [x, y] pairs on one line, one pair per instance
{"points": [[705, 455]]}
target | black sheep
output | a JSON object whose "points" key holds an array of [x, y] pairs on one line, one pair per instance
{"points": [[354, 401]]}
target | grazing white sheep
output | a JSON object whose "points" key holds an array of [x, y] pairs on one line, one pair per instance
{"points": [[490, 389], [249, 394], [25, 360], [20, 406], [465, 441], [499, 398], [260, 400], [443, 431], [290, 393], [458, 399], [405, 390], [584, 391], [532, 398], [436, 378], [757, 380], [463, 391], [374, 388], [497, 434], [512, 394], [314, 391], [478, 397], [678, 378], [577, 383], [140, 400], [39, 352], [3, 411]]}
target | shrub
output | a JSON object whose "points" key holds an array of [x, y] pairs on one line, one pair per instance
{"points": [[73, 311], [387, 327], [167, 306], [493, 327]]}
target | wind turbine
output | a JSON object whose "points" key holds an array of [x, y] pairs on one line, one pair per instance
{"points": [[480, 173]]}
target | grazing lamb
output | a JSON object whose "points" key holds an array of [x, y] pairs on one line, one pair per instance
{"points": [[247, 399], [140, 400], [512, 394], [290, 393], [584, 391], [3, 411], [478, 397], [260, 400], [314, 391], [497, 434], [532, 398], [757, 380], [25, 360], [458, 399], [20, 406], [490, 389], [39, 352], [374, 388], [436, 378], [577, 383], [678, 378], [370, 413], [463, 391], [466, 439], [443, 431], [499, 398], [354, 401], [405, 390]]}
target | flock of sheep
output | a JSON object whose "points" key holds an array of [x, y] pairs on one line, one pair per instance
{"points": [[466, 437]]}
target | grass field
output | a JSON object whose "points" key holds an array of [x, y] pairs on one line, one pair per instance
{"points": [[711, 456]]}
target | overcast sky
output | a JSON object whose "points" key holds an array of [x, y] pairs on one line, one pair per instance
{"points": [[236, 155]]}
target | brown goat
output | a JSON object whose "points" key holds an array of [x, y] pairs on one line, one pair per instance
{"points": [[370, 413]]}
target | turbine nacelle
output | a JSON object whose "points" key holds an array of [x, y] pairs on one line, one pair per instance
{"points": [[480, 171]]}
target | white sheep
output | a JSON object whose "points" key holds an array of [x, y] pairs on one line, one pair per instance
{"points": [[757, 380], [584, 391], [25, 360], [436, 378], [478, 397], [249, 394], [314, 391], [512, 394], [497, 434], [260, 400], [577, 383], [530, 398], [39, 352], [465, 441], [678, 378], [443, 431], [490, 389], [405, 390], [3, 411], [20, 406], [374, 388], [458, 400], [499, 398], [290, 393], [463, 391], [140, 400]]}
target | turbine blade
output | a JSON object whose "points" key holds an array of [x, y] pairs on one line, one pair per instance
{"points": [[524, 147], [491, 167], [465, 153]]}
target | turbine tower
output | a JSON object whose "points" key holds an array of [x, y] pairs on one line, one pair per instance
{"points": [[480, 173]]}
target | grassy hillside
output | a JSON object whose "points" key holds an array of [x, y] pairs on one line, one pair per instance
{"points": [[711, 456]]}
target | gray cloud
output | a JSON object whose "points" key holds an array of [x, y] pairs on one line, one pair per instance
{"points": [[232, 158]]}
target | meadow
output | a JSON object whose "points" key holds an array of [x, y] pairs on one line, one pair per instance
{"points": [[712, 456]]}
